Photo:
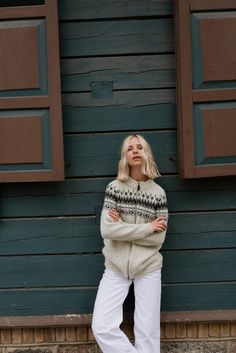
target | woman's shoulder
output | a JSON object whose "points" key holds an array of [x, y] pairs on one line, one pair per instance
{"points": [[158, 188], [114, 185]]}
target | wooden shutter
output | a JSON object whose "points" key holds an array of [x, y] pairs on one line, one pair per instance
{"points": [[31, 142], [205, 32]]}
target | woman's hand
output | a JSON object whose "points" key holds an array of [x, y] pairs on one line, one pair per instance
{"points": [[159, 224], [114, 215]]}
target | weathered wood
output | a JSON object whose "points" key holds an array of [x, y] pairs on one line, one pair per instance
{"points": [[116, 37], [86, 319], [203, 266], [98, 155], [62, 235], [50, 271], [126, 99], [201, 231], [86, 270], [76, 9], [153, 71], [58, 235], [70, 301], [208, 296], [126, 110], [172, 184], [85, 197], [119, 118]]}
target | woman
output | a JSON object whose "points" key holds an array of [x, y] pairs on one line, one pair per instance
{"points": [[133, 225]]}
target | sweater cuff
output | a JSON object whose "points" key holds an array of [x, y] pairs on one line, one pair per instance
{"points": [[151, 229]]}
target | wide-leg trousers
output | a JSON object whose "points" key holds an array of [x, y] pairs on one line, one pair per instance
{"points": [[108, 313]]}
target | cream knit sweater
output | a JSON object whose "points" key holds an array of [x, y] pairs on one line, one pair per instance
{"points": [[131, 248]]}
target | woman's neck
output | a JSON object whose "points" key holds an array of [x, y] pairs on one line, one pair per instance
{"points": [[136, 174]]}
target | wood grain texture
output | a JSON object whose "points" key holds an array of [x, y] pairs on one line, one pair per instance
{"points": [[125, 72], [88, 155], [88, 119], [69, 301], [85, 197], [76, 9], [47, 271], [130, 110], [116, 37], [67, 235]]}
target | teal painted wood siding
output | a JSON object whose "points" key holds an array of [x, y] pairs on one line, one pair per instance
{"points": [[118, 76]]}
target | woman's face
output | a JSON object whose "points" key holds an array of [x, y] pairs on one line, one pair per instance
{"points": [[134, 152]]}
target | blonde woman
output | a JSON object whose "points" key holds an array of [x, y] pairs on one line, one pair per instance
{"points": [[133, 226]]}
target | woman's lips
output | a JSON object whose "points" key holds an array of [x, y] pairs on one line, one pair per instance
{"points": [[136, 158]]}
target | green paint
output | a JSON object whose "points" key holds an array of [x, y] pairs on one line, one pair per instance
{"points": [[116, 37], [117, 118], [75, 9], [89, 155]]}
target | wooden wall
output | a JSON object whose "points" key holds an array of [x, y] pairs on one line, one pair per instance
{"points": [[118, 77]]}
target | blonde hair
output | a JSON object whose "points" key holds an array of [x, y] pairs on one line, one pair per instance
{"points": [[148, 168]]}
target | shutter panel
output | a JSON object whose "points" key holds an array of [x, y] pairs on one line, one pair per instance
{"points": [[31, 140], [206, 86]]}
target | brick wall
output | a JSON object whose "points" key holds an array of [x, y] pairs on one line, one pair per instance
{"points": [[176, 338]]}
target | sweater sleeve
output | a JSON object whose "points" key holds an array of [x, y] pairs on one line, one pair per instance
{"points": [[155, 239], [123, 231]]}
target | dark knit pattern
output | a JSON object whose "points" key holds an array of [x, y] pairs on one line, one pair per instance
{"points": [[131, 202]]}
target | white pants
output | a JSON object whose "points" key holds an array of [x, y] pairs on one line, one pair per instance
{"points": [[108, 313]]}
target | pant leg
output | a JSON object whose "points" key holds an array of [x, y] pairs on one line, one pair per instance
{"points": [[147, 290], [108, 314]]}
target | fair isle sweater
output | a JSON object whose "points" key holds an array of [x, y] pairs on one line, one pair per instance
{"points": [[131, 248]]}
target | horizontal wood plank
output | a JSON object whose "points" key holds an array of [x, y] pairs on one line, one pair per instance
{"points": [[119, 118], [145, 71], [80, 301], [86, 319], [205, 266], [201, 231], [89, 155], [172, 184], [124, 111], [64, 235], [50, 271], [85, 197], [77, 10], [58, 235], [199, 266], [96, 38], [126, 99]]}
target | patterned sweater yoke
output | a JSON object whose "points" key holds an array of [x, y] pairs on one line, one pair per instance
{"points": [[145, 199]]}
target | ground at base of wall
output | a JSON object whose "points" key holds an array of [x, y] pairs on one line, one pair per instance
{"points": [[225, 346]]}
